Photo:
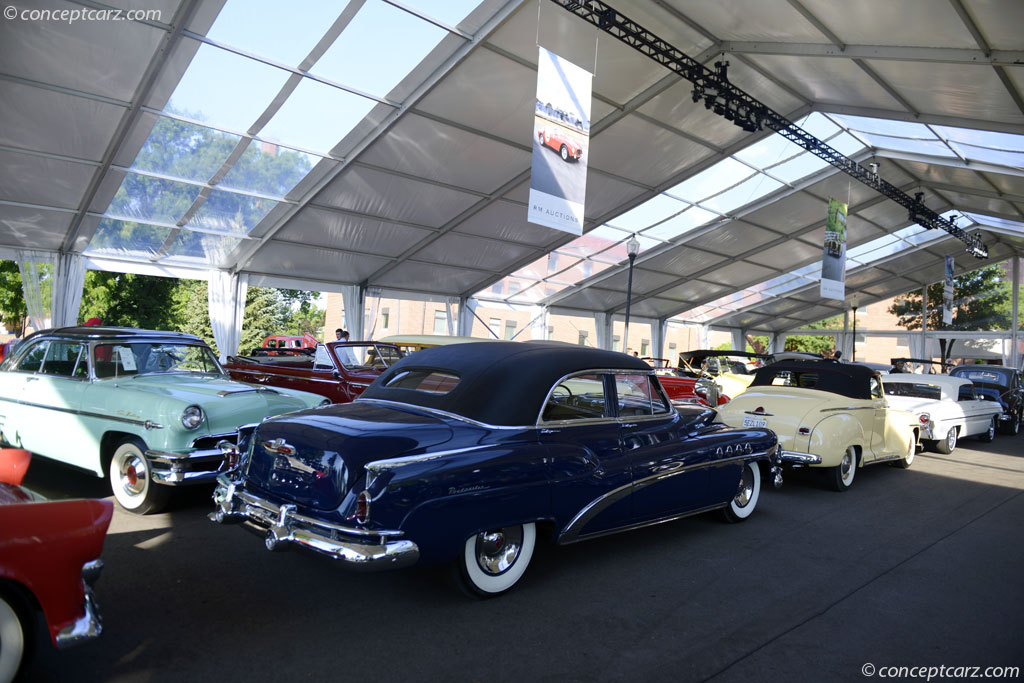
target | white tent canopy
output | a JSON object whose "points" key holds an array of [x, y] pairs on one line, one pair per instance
{"points": [[401, 137]]}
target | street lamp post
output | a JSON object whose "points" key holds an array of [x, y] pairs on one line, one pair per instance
{"points": [[632, 248]]}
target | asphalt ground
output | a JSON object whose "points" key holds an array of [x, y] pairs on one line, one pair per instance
{"points": [[914, 568]]}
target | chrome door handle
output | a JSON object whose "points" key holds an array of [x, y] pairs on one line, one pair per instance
{"points": [[630, 424]]}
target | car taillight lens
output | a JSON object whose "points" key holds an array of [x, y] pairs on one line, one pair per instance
{"points": [[924, 417], [363, 507], [804, 430], [723, 399]]}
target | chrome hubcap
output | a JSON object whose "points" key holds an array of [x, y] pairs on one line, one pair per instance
{"points": [[498, 549], [133, 474], [746, 488], [951, 439], [846, 466]]}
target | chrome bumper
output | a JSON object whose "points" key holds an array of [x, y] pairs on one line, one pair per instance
{"points": [[90, 625], [192, 467], [282, 526], [799, 459]]}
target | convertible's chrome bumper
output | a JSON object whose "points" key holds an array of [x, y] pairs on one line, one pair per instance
{"points": [[798, 459], [282, 526], [90, 624]]}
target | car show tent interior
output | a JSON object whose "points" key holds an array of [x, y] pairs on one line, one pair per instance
{"points": [[400, 135]]}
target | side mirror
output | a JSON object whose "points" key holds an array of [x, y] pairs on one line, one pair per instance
{"points": [[335, 374]]}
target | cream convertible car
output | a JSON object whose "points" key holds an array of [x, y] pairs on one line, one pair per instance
{"points": [[826, 414]]}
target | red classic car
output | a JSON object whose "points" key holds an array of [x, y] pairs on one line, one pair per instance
{"points": [[337, 370], [561, 142], [49, 560], [275, 344]]}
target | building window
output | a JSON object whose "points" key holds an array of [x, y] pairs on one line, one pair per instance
{"points": [[510, 329], [644, 344], [551, 332], [385, 317], [583, 337], [495, 325], [672, 348], [440, 322], [616, 342], [514, 287]]}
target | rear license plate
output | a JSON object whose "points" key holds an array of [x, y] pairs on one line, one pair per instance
{"points": [[749, 421]]}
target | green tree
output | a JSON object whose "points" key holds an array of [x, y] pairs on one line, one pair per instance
{"points": [[13, 312], [128, 300], [982, 302], [265, 314]]}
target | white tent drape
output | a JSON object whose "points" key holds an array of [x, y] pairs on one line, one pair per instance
{"points": [[603, 322], [35, 269], [68, 280], [353, 303], [226, 298]]}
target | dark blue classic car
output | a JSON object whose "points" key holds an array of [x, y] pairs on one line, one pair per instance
{"points": [[998, 383], [465, 452]]}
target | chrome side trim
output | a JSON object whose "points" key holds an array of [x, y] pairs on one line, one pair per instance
{"points": [[180, 468], [754, 412], [442, 413], [572, 530], [640, 525], [845, 408], [378, 466], [794, 458], [148, 424]]}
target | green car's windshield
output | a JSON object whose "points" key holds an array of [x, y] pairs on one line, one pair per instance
{"points": [[146, 358]]}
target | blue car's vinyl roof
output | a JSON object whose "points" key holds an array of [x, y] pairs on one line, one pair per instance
{"points": [[501, 383]]}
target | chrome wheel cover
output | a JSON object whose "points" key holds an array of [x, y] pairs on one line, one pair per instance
{"points": [[498, 549], [951, 438], [746, 490], [847, 466], [132, 474]]}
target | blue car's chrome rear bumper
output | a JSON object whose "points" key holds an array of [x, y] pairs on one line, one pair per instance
{"points": [[282, 526]]}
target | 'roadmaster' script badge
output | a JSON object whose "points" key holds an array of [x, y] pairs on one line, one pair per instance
{"points": [[738, 449], [278, 447]]}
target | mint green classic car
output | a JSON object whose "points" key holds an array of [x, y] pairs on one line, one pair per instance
{"points": [[146, 409]]}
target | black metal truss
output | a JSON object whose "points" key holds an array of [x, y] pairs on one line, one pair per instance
{"points": [[750, 114]]}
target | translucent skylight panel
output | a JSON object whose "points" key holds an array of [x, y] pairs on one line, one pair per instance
{"points": [[743, 194], [932, 147], [846, 144], [719, 177], [284, 33], [864, 250], [983, 138], [905, 129], [269, 169], [783, 284], [996, 222], [316, 117], [197, 247], [378, 48], [990, 156], [804, 165], [228, 212], [654, 210], [124, 238], [700, 314], [151, 200], [769, 151], [875, 250], [818, 125], [680, 224], [184, 150], [226, 90], [450, 12]]}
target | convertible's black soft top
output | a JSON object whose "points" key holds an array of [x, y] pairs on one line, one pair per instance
{"points": [[501, 383], [846, 379]]}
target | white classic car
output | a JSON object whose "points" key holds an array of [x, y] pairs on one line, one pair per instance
{"points": [[826, 414], [947, 408]]}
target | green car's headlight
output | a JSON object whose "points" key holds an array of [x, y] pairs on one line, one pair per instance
{"points": [[192, 417]]}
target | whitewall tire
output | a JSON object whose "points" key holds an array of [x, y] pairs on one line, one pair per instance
{"points": [[842, 475], [131, 479], [13, 641], [493, 561], [743, 503]]}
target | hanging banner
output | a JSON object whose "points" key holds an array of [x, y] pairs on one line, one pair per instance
{"points": [[947, 293], [561, 140], [833, 263]]}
